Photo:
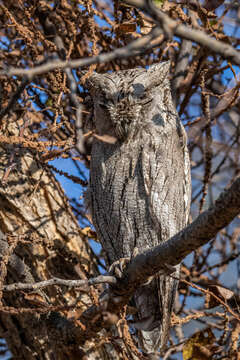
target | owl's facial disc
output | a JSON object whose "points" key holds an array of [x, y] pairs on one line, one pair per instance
{"points": [[124, 116], [123, 110]]}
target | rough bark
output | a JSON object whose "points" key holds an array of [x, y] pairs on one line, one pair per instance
{"points": [[40, 238]]}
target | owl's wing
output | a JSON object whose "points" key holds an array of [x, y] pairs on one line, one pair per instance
{"points": [[166, 174], [164, 169]]}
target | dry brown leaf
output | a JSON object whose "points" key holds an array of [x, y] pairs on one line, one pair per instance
{"points": [[35, 299], [87, 231], [126, 28]]}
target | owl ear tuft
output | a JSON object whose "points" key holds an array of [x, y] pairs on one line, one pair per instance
{"points": [[160, 70], [154, 76], [94, 81]]}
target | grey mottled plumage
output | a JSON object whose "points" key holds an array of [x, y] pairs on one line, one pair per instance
{"points": [[139, 181]]}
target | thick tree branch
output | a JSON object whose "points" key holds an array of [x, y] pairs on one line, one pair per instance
{"points": [[203, 229], [149, 263], [199, 232], [159, 258]]}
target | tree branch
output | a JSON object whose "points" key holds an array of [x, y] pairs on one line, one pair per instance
{"points": [[169, 26], [57, 281], [203, 229], [185, 32], [149, 263], [132, 49], [199, 232]]}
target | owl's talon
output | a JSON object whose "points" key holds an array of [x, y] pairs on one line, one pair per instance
{"points": [[135, 252], [117, 268]]}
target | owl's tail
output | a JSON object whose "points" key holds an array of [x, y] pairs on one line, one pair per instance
{"points": [[154, 302]]}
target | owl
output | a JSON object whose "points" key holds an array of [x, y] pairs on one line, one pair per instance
{"points": [[139, 192]]}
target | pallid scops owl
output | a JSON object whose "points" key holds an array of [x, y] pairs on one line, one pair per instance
{"points": [[139, 192]]}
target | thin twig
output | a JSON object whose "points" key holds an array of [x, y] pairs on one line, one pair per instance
{"points": [[11, 105], [137, 46]]}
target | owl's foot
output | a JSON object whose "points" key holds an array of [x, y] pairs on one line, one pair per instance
{"points": [[117, 268]]}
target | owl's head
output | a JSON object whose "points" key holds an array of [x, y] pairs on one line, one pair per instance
{"points": [[128, 100]]}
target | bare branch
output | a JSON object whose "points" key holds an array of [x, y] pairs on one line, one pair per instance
{"points": [[132, 49], [56, 281], [50, 30], [185, 32], [138, 46]]}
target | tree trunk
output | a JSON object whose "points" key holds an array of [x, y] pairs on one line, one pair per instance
{"points": [[40, 238]]}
